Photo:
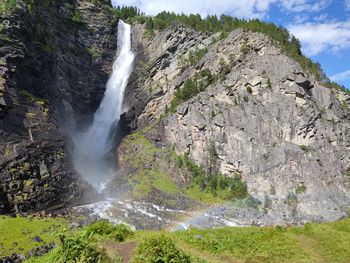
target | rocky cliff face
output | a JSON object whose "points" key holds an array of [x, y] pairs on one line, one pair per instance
{"points": [[55, 57], [255, 113], [262, 115]]}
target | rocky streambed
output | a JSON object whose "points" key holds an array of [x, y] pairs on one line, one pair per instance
{"points": [[148, 216]]}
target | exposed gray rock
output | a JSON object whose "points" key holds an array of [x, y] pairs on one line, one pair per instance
{"points": [[287, 135]]}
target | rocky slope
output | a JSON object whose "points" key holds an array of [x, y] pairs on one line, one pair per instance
{"points": [[55, 57], [265, 119], [255, 114]]}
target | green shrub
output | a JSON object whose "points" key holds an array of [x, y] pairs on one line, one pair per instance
{"points": [[301, 189], [159, 250], [76, 17], [127, 12], [192, 87], [291, 199], [267, 202], [245, 48], [33, 99], [304, 148], [344, 105], [225, 187], [179, 161], [7, 6], [252, 202], [195, 56], [333, 85], [225, 68], [95, 53], [346, 172], [249, 89], [81, 246], [121, 233], [104, 228], [273, 190], [100, 227], [238, 188], [269, 84], [78, 248]]}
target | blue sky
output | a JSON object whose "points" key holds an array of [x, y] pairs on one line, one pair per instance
{"points": [[323, 26]]}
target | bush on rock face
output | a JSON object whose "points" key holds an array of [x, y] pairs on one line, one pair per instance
{"points": [[159, 250]]}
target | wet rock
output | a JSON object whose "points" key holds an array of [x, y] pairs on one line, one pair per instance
{"points": [[42, 86], [7, 260], [37, 239], [15, 258], [74, 225], [42, 250]]}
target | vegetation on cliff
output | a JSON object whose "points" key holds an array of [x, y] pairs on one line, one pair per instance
{"points": [[7, 5], [192, 87], [159, 168], [225, 24]]}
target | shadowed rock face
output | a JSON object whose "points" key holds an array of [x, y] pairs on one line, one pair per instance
{"points": [[285, 133], [55, 58]]}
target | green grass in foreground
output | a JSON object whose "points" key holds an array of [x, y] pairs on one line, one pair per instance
{"points": [[17, 234], [326, 242]]}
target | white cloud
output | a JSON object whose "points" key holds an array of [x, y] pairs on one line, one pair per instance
{"points": [[341, 76], [239, 8], [319, 37], [245, 9], [316, 32], [305, 5], [301, 18], [347, 4]]}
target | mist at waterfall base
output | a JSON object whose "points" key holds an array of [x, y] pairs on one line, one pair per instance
{"points": [[94, 160], [92, 156]]}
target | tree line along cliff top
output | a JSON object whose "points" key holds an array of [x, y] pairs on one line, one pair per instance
{"points": [[288, 43]]}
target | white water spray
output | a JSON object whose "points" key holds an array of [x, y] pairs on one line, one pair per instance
{"points": [[93, 146]]}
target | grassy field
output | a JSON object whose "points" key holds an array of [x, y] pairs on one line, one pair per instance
{"points": [[325, 242], [17, 234]]}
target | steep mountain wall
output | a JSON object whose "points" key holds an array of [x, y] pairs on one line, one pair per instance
{"points": [[260, 116], [235, 104], [55, 57]]}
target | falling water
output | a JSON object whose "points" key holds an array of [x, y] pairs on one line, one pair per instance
{"points": [[93, 146], [91, 158]]}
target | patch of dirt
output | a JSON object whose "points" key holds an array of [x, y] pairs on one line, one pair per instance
{"points": [[124, 250]]}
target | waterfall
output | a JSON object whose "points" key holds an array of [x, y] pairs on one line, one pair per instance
{"points": [[92, 147]]}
